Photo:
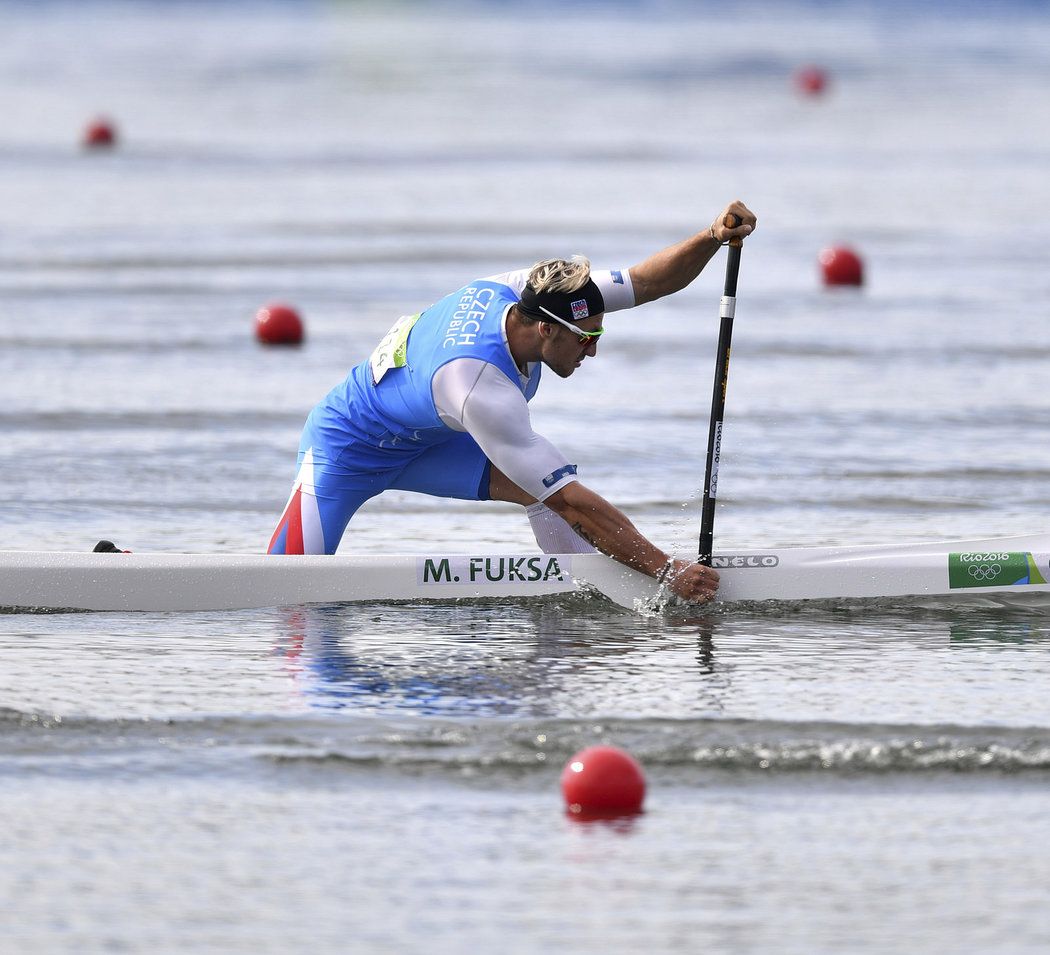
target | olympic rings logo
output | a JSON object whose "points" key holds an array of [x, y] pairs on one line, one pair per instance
{"points": [[982, 572]]}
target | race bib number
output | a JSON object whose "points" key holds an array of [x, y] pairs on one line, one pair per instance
{"points": [[390, 352]]}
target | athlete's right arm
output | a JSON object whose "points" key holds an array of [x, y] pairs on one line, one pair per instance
{"points": [[670, 270]]}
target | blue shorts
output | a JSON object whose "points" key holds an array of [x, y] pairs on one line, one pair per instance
{"points": [[337, 474]]}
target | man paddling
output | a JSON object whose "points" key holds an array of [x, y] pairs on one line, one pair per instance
{"points": [[440, 407]]}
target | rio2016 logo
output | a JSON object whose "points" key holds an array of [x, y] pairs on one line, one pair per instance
{"points": [[984, 572], [993, 569], [983, 567]]}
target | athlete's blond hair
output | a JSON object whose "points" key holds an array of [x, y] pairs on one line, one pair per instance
{"points": [[560, 275]]}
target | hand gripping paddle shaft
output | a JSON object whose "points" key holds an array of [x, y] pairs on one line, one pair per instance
{"points": [[718, 396]]}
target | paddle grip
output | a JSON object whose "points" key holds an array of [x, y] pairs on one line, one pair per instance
{"points": [[731, 221]]}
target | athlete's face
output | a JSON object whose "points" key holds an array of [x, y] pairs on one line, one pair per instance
{"points": [[565, 351]]}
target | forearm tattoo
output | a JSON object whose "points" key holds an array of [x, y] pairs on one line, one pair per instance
{"points": [[578, 528]]}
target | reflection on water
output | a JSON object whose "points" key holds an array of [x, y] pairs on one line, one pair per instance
{"points": [[472, 659], [1006, 632], [570, 656]]}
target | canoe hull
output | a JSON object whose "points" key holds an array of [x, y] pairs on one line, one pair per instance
{"points": [[1013, 569]]}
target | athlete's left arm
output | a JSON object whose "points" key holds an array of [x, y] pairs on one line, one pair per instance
{"points": [[476, 397], [670, 270], [611, 531]]}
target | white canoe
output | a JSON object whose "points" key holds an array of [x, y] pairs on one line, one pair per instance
{"points": [[997, 571]]}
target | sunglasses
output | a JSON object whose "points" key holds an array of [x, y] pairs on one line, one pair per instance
{"points": [[578, 332]]}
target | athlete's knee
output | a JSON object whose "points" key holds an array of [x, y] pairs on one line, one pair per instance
{"points": [[283, 543], [300, 529]]}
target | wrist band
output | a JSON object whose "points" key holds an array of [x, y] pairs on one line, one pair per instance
{"points": [[662, 576]]}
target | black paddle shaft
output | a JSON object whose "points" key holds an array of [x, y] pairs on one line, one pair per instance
{"points": [[718, 397]]}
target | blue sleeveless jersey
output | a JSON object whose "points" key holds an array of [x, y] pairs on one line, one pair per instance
{"points": [[399, 412]]}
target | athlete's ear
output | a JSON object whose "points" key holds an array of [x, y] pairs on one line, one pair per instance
{"points": [[546, 328]]}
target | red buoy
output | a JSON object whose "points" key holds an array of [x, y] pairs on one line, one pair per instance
{"points": [[811, 80], [841, 266], [100, 133], [278, 325], [602, 781]]}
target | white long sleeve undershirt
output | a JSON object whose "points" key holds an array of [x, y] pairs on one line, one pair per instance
{"points": [[475, 396]]}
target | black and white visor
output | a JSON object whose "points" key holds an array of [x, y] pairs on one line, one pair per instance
{"points": [[568, 306]]}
